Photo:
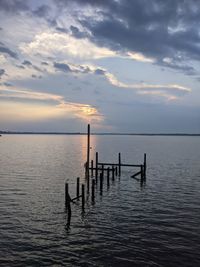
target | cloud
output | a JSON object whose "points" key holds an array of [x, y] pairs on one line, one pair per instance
{"points": [[2, 72], [59, 44], [7, 51], [145, 30], [61, 107], [62, 67], [27, 63], [42, 11], [13, 6], [169, 91]]}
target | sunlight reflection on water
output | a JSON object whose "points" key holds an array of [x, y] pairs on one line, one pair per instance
{"points": [[157, 225]]}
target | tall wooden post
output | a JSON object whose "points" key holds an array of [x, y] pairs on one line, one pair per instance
{"points": [[119, 157], [88, 152], [96, 170]]}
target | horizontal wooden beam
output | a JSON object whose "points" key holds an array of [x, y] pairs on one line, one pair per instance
{"points": [[117, 164]]}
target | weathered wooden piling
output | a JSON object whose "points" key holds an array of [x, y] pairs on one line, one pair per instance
{"points": [[101, 182], [145, 165], [93, 188], [96, 170], [77, 187], [142, 171], [83, 196], [108, 177], [88, 185], [88, 152], [66, 194], [102, 170], [116, 173], [119, 158], [113, 173], [92, 168]]}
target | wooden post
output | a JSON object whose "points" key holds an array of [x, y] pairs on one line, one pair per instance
{"points": [[145, 165], [96, 171], [103, 170], [142, 171], [66, 194], [119, 157], [93, 186], [88, 151], [101, 182], [116, 171], [83, 196], [113, 173], [77, 187], [88, 184], [92, 168], [108, 177]]}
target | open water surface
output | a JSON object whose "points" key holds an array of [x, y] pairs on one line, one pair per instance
{"points": [[157, 224]]}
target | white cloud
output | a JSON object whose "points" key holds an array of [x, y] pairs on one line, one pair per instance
{"points": [[55, 44], [169, 91], [140, 57]]}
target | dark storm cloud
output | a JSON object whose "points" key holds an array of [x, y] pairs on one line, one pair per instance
{"points": [[7, 51], [155, 28]]}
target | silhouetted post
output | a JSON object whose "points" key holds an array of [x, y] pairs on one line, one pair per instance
{"points": [[119, 157], [77, 187], [101, 182], [83, 196], [88, 151], [113, 173], [145, 165], [96, 171], [93, 186], [88, 184], [92, 168], [108, 177], [142, 171], [66, 194], [103, 170], [116, 170]]}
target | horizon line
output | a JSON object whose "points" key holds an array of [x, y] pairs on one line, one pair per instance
{"points": [[96, 133]]}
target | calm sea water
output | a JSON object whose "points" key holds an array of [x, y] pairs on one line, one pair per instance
{"points": [[129, 225]]}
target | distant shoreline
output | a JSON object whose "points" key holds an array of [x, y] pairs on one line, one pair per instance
{"points": [[79, 133]]}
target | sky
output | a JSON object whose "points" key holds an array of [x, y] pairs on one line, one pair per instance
{"points": [[120, 65]]}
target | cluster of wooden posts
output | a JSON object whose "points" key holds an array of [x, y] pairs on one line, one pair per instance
{"points": [[96, 172]]}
